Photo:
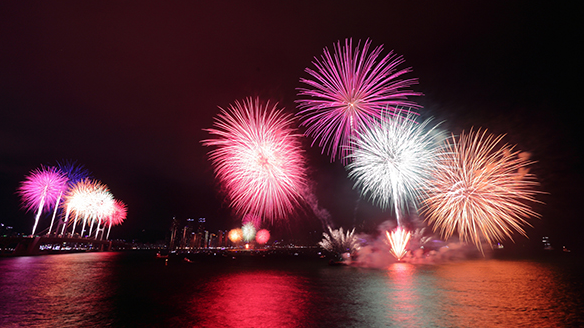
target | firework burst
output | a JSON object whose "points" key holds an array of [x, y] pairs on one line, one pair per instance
{"points": [[235, 235], [262, 236], [339, 242], [118, 215], [258, 159], [253, 219], [398, 240], [43, 186], [481, 190], [392, 160], [350, 89], [248, 231], [77, 200]]}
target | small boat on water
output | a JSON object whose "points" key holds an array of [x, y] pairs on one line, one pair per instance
{"points": [[161, 256]]}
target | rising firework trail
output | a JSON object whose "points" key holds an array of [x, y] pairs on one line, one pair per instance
{"points": [[398, 241], [392, 161], [348, 90], [481, 190], [44, 185], [258, 159]]}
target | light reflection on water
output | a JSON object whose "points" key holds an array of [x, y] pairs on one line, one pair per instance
{"points": [[56, 291], [137, 290], [253, 299]]}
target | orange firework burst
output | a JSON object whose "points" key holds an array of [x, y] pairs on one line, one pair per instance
{"points": [[480, 190], [398, 240], [235, 235]]}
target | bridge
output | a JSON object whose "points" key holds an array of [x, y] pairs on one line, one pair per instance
{"points": [[36, 245]]}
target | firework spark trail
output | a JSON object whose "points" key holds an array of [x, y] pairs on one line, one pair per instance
{"points": [[339, 242], [258, 159], [481, 190], [393, 159], [349, 90], [44, 185], [398, 240]]}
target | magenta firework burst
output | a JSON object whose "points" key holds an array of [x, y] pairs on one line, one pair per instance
{"points": [[44, 185], [258, 159], [349, 89], [117, 216]]}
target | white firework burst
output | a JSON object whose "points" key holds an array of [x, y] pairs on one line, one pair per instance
{"points": [[393, 159], [339, 242]]}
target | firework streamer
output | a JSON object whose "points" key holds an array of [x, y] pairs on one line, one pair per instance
{"points": [[42, 186], [481, 190], [348, 90], [258, 159], [393, 159]]}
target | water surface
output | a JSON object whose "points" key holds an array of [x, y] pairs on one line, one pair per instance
{"points": [[135, 289]]}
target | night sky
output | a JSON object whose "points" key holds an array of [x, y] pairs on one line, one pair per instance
{"points": [[126, 88]]}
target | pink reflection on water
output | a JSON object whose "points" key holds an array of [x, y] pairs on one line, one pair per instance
{"points": [[57, 290], [404, 299], [253, 299]]}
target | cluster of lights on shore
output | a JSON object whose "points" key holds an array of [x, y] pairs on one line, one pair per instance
{"points": [[82, 203], [356, 106]]}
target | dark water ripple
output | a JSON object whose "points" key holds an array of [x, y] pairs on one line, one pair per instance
{"points": [[137, 290]]}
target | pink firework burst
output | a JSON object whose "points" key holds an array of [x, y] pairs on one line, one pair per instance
{"points": [[262, 236], [258, 159], [43, 186], [253, 219], [117, 216], [349, 89]]}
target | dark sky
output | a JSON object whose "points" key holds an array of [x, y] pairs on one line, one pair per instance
{"points": [[126, 89]]}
